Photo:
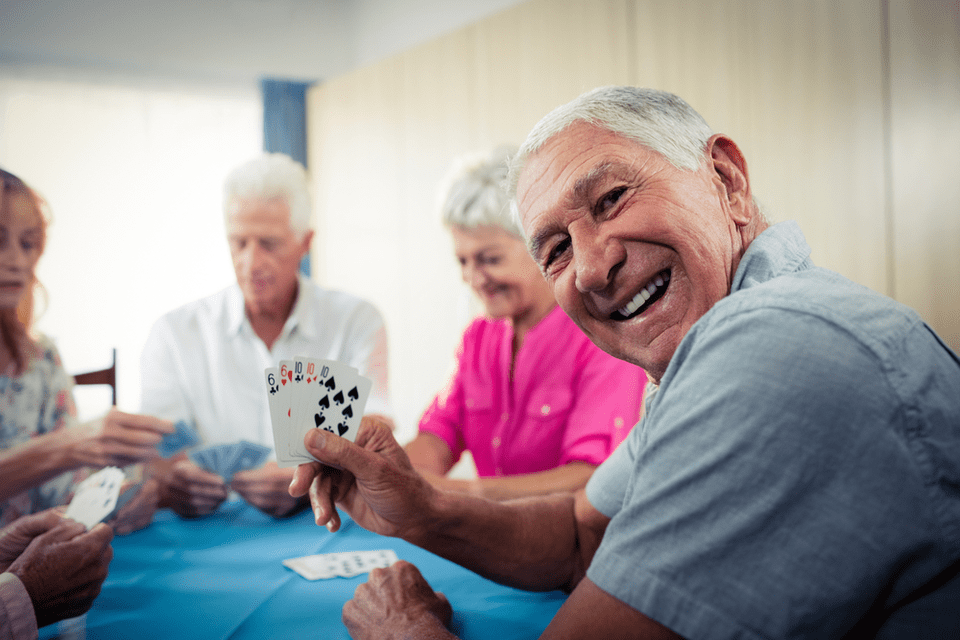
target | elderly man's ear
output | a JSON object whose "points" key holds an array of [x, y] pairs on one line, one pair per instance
{"points": [[732, 177], [305, 241]]}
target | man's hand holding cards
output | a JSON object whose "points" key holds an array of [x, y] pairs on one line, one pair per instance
{"points": [[307, 393]]}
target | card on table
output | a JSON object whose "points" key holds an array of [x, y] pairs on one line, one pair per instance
{"points": [[97, 497], [340, 565]]}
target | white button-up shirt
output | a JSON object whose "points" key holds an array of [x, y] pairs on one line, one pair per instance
{"points": [[203, 363]]}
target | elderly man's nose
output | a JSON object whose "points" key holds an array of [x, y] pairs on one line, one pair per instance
{"points": [[595, 261]]}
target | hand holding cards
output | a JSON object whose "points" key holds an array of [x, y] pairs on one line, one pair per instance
{"points": [[306, 393], [98, 497]]}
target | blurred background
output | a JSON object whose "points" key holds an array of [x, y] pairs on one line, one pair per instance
{"points": [[127, 116]]}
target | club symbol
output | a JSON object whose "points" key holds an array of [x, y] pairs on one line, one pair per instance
{"points": [[325, 402], [338, 398], [330, 384], [273, 389], [298, 377], [354, 394]]}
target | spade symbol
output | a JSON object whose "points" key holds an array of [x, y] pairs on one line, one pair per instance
{"points": [[330, 384], [338, 398], [318, 419], [342, 428], [354, 394], [328, 428], [325, 402], [348, 412]]}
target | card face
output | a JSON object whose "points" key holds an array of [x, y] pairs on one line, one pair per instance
{"points": [[184, 437], [340, 565], [96, 497], [313, 394]]}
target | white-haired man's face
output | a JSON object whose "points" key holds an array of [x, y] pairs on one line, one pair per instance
{"points": [[635, 250], [266, 252]]}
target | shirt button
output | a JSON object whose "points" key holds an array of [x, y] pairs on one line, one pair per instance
{"points": [[496, 441], [618, 422], [545, 409]]}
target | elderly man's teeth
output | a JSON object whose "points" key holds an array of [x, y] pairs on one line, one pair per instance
{"points": [[644, 294]]}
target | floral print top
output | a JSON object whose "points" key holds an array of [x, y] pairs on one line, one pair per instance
{"points": [[37, 402]]}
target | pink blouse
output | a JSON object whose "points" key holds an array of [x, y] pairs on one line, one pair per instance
{"points": [[568, 400]]}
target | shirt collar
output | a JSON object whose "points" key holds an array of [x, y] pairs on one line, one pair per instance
{"points": [[302, 317], [779, 249]]}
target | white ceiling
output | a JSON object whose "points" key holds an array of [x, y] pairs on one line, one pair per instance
{"points": [[223, 40]]}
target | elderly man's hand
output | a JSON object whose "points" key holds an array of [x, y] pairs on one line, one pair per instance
{"points": [[117, 439], [397, 603], [139, 511], [190, 491], [64, 568], [16, 536], [267, 489], [371, 479]]}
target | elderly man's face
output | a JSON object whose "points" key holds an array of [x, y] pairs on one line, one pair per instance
{"points": [[610, 222], [266, 252]]}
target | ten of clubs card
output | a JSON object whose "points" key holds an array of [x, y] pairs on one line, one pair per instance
{"points": [[308, 393]]}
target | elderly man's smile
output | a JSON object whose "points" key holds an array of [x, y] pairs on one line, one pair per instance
{"points": [[645, 298]]}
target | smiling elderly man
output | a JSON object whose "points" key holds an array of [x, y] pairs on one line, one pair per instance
{"points": [[796, 472]]}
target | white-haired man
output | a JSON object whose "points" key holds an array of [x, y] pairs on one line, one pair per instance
{"points": [[795, 473], [204, 362]]}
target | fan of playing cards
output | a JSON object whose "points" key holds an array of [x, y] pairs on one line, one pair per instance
{"points": [[306, 393]]}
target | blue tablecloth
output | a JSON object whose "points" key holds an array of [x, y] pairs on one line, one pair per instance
{"points": [[222, 577]]}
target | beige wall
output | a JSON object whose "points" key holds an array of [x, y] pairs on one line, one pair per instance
{"points": [[846, 111]]}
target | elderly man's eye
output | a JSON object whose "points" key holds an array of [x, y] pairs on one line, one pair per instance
{"points": [[556, 253], [610, 198]]}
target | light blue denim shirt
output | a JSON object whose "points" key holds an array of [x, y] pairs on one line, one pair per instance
{"points": [[797, 474]]}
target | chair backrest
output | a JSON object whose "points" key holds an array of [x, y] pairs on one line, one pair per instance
{"points": [[106, 376]]}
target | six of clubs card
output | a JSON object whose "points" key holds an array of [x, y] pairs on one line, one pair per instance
{"points": [[307, 393]]}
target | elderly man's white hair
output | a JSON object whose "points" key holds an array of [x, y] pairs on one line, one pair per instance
{"points": [[475, 192], [272, 175], [656, 119]]}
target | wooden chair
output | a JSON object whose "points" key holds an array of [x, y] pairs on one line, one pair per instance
{"points": [[103, 376]]}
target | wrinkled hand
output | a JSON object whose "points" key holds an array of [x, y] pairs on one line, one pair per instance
{"points": [[118, 439], [372, 480], [190, 491], [267, 489], [64, 568], [16, 536], [397, 603], [138, 513]]}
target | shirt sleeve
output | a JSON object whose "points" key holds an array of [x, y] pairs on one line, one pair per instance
{"points": [[17, 618], [608, 394], [770, 491], [161, 379]]}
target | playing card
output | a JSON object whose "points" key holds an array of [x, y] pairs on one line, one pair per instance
{"points": [[249, 456], [184, 437], [320, 402], [96, 497], [284, 398], [345, 565]]}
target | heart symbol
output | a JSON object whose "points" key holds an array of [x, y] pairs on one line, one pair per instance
{"points": [[354, 394], [348, 412], [342, 428], [318, 419], [284, 381], [290, 374]]}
